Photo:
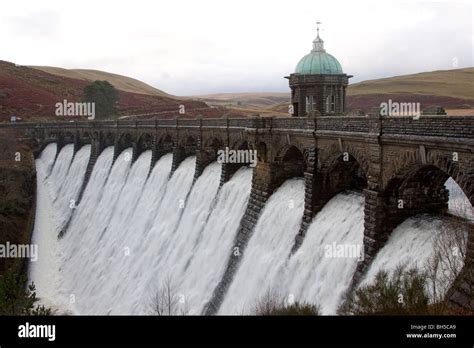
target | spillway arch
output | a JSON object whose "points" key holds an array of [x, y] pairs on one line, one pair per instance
{"points": [[437, 166], [419, 187]]}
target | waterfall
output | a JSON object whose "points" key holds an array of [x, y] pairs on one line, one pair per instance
{"points": [[414, 243], [267, 249], [458, 204], [66, 199], [204, 265], [182, 241], [135, 232], [60, 170], [322, 268], [63, 183], [45, 161], [83, 246]]}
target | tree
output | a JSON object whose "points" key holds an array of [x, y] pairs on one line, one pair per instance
{"points": [[104, 95], [15, 299], [166, 301], [400, 293]]}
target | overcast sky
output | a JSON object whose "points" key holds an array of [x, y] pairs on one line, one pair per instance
{"points": [[187, 47]]}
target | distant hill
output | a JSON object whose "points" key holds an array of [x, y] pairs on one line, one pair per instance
{"points": [[453, 89], [121, 82], [32, 93], [457, 83], [247, 100]]}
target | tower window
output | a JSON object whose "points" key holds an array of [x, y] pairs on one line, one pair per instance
{"points": [[314, 103], [308, 104], [333, 103]]}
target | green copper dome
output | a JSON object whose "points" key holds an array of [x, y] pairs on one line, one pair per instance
{"points": [[318, 61]]}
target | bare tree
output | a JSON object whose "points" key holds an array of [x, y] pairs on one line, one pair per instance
{"points": [[167, 301], [443, 268]]}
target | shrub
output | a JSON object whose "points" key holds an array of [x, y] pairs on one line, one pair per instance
{"points": [[274, 304], [401, 293], [15, 299]]}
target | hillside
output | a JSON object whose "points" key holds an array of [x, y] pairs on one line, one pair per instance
{"points": [[453, 89], [251, 100], [31, 93], [121, 82], [458, 83]]}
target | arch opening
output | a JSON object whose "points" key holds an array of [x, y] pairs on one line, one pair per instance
{"points": [[344, 173]]}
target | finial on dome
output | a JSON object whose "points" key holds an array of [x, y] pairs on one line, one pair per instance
{"points": [[318, 43]]}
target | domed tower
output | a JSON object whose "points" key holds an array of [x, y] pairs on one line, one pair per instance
{"points": [[318, 83]]}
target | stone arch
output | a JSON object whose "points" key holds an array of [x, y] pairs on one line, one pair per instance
{"points": [[123, 141], [108, 139], [341, 171], [68, 137], [188, 141], [144, 142], [292, 157], [439, 166], [213, 144], [241, 145], [186, 147], [262, 151], [165, 143], [283, 151], [86, 136], [333, 152]]}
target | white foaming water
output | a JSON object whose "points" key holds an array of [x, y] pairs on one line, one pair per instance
{"points": [[43, 272], [49, 218], [458, 202], [65, 201], [267, 249], [320, 272], [60, 170], [182, 241], [85, 255], [131, 233], [47, 271], [203, 266], [46, 159], [155, 241], [412, 244]]}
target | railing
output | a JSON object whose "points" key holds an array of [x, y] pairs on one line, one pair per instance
{"points": [[358, 124], [289, 123], [442, 126]]}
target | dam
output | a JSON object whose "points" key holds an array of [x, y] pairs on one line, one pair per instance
{"points": [[144, 204]]}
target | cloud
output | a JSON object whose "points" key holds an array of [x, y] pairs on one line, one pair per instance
{"points": [[189, 47]]}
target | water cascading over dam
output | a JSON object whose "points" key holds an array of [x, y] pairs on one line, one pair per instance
{"points": [[135, 232]]}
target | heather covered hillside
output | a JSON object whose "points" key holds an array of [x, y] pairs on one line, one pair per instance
{"points": [[32, 94]]}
